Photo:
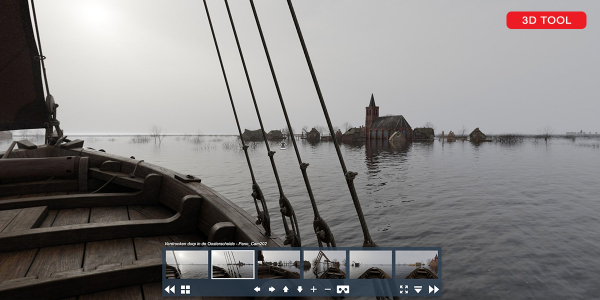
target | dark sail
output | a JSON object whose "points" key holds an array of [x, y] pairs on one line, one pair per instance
{"points": [[22, 103]]}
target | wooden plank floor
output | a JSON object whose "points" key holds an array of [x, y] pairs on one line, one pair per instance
{"points": [[44, 262]]}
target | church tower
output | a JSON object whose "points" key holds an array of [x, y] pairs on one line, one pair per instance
{"points": [[372, 114]]}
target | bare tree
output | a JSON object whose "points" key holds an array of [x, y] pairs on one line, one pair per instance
{"points": [[320, 129], [547, 132], [429, 125], [347, 126], [157, 133], [305, 129], [463, 131]]}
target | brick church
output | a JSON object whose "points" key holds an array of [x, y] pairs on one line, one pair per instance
{"points": [[379, 128]]}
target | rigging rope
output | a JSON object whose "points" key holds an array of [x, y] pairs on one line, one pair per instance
{"points": [[320, 226], [292, 237], [41, 56], [52, 121], [368, 242], [257, 195]]}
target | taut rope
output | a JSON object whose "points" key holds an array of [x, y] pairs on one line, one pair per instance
{"points": [[320, 226], [263, 216], [368, 242], [292, 237]]}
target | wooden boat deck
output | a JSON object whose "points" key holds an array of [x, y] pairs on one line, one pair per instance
{"points": [[421, 273], [333, 273], [274, 272], [374, 273], [218, 272], [58, 240]]}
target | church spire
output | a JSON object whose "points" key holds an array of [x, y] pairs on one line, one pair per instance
{"points": [[372, 103]]}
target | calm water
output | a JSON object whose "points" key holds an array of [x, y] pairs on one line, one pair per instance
{"points": [[247, 271], [403, 270], [514, 221], [194, 271], [357, 271]]}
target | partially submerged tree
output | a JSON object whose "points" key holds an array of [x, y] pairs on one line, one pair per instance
{"points": [[546, 132], [429, 125], [157, 133], [347, 126]]}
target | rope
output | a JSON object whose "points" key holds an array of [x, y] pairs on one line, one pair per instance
{"points": [[104, 185], [262, 215], [368, 242], [132, 175], [177, 263], [322, 230], [292, 236], [41, 56]]}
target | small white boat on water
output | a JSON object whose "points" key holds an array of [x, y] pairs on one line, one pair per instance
{"points": [[282, 146]]}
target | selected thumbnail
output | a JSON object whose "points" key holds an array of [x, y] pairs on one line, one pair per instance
{"points": [[371, 265], [186, 264], [329, 264], [419, 264], [232, 264], [278, 265]]}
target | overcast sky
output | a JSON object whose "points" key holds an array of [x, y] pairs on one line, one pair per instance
{"points": [[119, 66], [188, 257], [371, 257], [245, 256], [276, 256], [411, 257], [331, 254]]}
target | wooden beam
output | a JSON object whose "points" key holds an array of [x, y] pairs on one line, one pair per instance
{"points": [[38, 187], [147, 196], [111, 165], [73, 144], [222, 232], [8, 151], [83, 174], [27, 218], [117, 178], [25, 144], [79, 283], [185, 221], [38, 167]]}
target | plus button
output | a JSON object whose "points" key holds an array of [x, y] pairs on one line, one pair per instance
{"points": [[313, 289]]}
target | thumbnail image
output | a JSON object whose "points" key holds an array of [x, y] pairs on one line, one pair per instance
{"points": [[232, 264], [371, 265], [328, 264], [278, 264], [186, 264], [418, 264]]}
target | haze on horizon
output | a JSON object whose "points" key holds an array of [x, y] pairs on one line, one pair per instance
{"points": [[122, 66]]}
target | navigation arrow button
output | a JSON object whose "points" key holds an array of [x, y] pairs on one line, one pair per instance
{"points": [[173, 289], [271, 289], [418, 288], [435, 289], [285, 289], [257, 289], [167, 289], [430, 289]]}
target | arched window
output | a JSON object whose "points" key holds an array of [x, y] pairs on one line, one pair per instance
{"points": [[373, 133], [379, 133], [404, 132], [385, 134]]}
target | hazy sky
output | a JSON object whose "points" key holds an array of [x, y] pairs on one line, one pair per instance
{"points": [[188, 257], [120, 66], [245, 256], [411, 257], [281, 255], [371, 257], [332, 255]]}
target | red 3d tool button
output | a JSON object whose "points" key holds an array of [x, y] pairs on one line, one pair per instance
{"points": [[546, 20]]}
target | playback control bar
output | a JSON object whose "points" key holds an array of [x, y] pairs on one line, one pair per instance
{"points": [[301, 272]]}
